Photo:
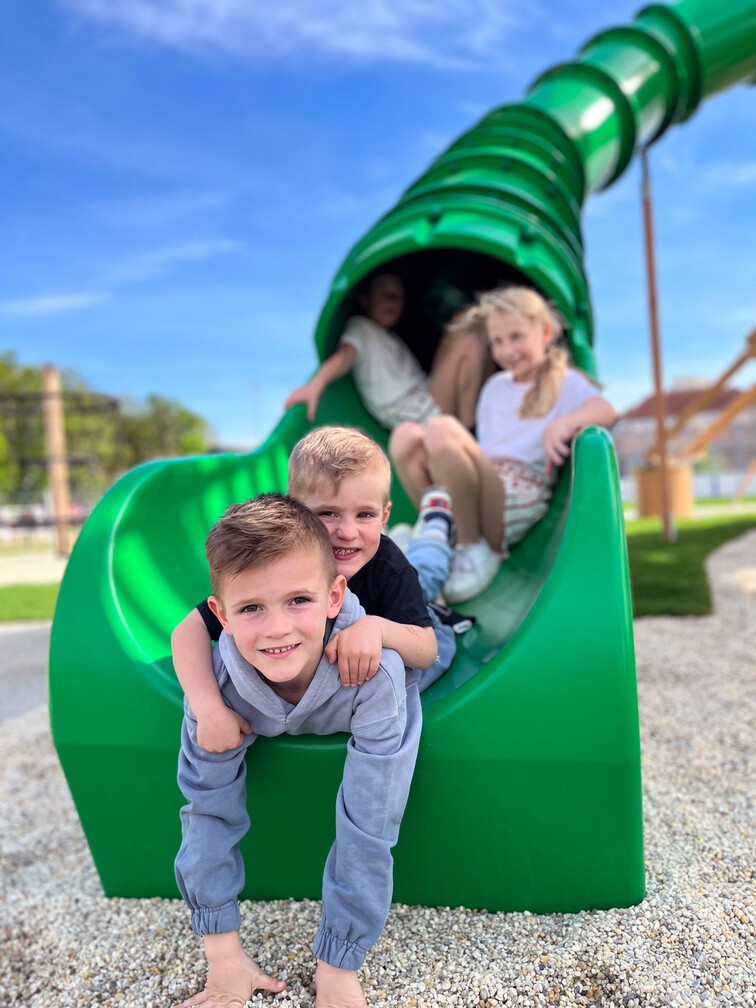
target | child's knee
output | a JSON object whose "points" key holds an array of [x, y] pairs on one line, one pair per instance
{"points": [[405, 440], [443, 432]]}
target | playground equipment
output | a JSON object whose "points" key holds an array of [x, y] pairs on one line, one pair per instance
{"points": [[527, 790], [697, 445], [648, 478]]}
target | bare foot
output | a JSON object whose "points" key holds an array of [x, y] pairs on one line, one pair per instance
{"points": [[337, 988], [232, 976]]}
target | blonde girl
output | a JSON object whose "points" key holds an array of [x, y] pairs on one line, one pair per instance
{"points": [[526, 418]]}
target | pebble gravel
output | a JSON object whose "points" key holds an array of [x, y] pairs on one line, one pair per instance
{"points": [[690, 942]]}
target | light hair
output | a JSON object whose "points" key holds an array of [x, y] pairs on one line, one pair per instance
{"points": [[527, 304], [467, 320], [327, 456], [261, 531]]}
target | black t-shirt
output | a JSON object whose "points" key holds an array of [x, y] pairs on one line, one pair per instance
{"points": [[386, 586]]}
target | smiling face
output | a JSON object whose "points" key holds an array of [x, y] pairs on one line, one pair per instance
{"points": [[384, 300], [277, 615], [518, 344], [354, 516]]}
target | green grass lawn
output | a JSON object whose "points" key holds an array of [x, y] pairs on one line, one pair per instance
{"points": [[27, 602], [669, 579]]}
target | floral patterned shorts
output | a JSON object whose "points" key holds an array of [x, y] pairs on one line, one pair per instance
{"points": [[526, 498], [415, 405]]}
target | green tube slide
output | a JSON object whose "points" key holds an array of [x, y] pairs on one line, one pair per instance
{"points": [[527, 793]]}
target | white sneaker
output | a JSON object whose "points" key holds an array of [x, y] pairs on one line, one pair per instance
{"points": [[401, 535], [473, 568]]}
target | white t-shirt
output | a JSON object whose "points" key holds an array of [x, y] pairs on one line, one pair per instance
{"points": [[503, 433], [384, 368]]}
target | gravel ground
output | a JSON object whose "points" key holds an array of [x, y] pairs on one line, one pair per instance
{"points": [[690, 942]]}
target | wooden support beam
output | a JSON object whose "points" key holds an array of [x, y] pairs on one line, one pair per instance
{"points": [[57, 461], [723, 421]]}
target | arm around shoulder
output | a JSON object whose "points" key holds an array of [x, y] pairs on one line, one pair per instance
{"points": [[218, 727], [416, 646], [357, 649]]}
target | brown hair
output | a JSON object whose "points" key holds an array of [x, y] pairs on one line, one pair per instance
{"points": [[526, 303], [263, 530], [328, 455]]}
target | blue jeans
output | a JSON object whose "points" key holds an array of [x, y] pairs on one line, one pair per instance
{"points": [[431, 558]]}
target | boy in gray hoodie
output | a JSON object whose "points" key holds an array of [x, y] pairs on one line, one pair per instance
{"points": [[279, 599]]}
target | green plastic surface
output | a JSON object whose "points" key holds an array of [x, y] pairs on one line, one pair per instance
{"points": [[528, 781], [527, 791]]}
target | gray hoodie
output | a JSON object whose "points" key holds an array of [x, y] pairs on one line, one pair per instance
{"points": [[383, 717]]}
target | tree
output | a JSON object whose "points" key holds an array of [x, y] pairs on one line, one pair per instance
{"points": [[161, 429], [21, 427], [104, 436]]}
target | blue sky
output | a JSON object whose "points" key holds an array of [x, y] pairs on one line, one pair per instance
{"points": [[182, 178]]}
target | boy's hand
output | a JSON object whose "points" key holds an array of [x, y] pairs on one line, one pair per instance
{"points": [[357, 651], [221, 729], [557, 439], [232, 976]]}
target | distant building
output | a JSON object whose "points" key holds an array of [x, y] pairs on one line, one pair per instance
{"points": [[734, 449], [218, 449]]}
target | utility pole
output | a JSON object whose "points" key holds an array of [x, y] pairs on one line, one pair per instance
{"points": [[669, 532], [57, 461]]}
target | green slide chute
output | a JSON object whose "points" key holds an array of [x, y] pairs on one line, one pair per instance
{"points": [[527, 793]]}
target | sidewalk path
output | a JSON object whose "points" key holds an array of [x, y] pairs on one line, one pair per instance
{"points": [[39, 567], [24, 649]]}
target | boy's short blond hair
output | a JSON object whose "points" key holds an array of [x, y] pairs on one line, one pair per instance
{"points": [[261, 531], [328, 455]]}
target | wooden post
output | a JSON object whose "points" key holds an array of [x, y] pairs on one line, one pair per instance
{"points": [[57, 462], [708, 394], [661, 434]]}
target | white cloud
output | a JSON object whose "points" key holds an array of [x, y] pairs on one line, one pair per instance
{"points": [[52, 304], [728, 175], [160, 209], [455, 33], [194, 250], [158, 262], [148, 265], [48, 120]]}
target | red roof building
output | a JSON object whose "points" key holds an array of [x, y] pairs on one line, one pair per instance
{"points": [[734, 449]]}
